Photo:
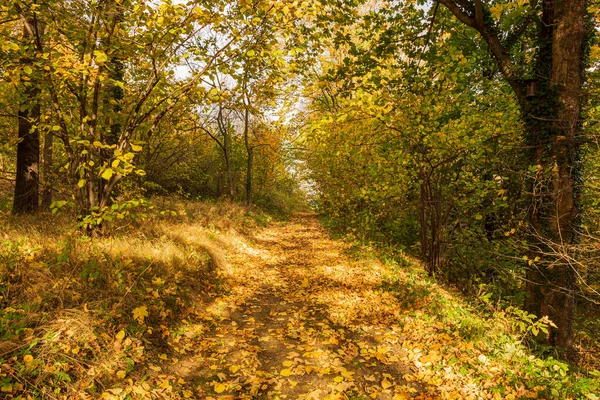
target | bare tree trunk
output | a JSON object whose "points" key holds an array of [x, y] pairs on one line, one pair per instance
{"points": [[230, 182], [250, 154], [26, 197]]}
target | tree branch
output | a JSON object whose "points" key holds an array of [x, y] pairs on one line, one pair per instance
{"points": [[500, 54]]}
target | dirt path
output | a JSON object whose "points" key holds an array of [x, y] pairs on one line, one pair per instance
{"points": [[295, 319]]}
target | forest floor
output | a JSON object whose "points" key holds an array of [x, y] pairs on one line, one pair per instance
{"points": [[204, 308]]}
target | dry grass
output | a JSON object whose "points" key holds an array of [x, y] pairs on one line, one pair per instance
{"points": [[67, 328]]}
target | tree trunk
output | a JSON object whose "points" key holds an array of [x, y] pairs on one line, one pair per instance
{"points": [[26, 197], [250, 152], [47, 171], [230, 184], [555, 216], [249, 176]]}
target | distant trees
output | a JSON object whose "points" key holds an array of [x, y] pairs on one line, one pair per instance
{"points": [[104, 82]]}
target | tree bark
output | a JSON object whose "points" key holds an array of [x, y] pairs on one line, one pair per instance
{"points": [[26, 196], [250, 156], [47, 154], [552, 287]]}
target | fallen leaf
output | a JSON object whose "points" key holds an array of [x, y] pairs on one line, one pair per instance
{"points": [[220, 388], [140, 313]]}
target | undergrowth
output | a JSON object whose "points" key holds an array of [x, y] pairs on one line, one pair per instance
{"points": [[80, 314], [481, 331]]}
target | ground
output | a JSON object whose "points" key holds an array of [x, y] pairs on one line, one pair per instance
{"points": [[218, 303], [302, 321]]}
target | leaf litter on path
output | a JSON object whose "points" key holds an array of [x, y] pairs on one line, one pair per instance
{"points": [[294, 317]]}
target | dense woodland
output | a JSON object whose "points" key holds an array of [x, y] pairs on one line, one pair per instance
{"points": [[456, 136]]}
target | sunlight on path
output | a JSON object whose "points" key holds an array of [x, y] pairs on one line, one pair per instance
{"points": [[300, 321]]}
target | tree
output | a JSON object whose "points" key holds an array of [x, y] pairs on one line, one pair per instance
{"points": [[549, 92]]}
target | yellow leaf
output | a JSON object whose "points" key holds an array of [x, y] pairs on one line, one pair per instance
{"points": [[285, 372], [120, 335], [220, 388], [385, 384], [107, 174], [338, 379], [140, 313], [140, 390], [28, 359], [234, 368], [115, 163], [287, 363], [100, 56], [187, 394], [304, 283], [165, 384], [121, 374], [81, 183], [135, 147], [75, 350]]}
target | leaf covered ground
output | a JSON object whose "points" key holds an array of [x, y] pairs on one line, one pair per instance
{"points": [[221, 307]]}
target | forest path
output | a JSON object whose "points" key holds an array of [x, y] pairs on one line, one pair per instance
{"points": [[297, 318]]}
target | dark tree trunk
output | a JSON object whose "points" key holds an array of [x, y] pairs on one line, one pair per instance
{"points": [[28, 156], [47, 171], [230, 183], [26, 197], [114, 108], [250, 159]]}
